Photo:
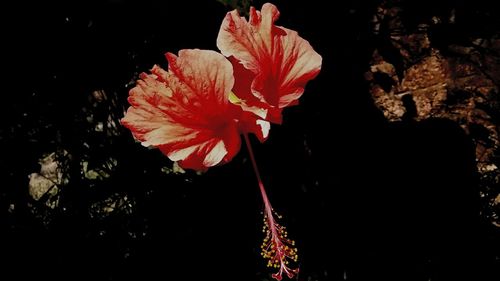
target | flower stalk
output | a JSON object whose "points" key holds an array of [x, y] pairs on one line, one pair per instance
{"points": [[277, 248]]}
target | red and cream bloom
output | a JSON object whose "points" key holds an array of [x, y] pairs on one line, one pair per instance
{"points": [[195, 112], [185, 111], [272, 63]]}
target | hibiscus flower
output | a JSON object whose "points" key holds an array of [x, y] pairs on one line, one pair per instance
{"points": [[195, 112], [272, 63], [185, 111]]}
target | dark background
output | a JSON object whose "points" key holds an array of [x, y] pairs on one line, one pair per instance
{"points": [[363, 198]]}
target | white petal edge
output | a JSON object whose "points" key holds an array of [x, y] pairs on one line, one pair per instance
{"points": [[215, 155], [182, 154], [265, 126]]}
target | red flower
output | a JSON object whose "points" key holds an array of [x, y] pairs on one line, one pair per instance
{"points": [[277, 62], [186, 112], [192, 116]]}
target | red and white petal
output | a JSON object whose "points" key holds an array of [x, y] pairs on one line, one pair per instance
{"points": [[199, 156], [185, 111], [205, 154], [145, 118], [152, 128], [246, 99], [251, 123], [202, 76], [282, 62], [300, 64]]}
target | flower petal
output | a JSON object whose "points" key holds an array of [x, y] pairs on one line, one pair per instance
{"points": [[185, 111], [251, 123], [203, 74], [204, 155], [281, 61]]}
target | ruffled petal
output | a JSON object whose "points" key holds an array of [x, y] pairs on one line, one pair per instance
{"points": [[294, 63], [149, 117], [280, 60], [201, 156], [185, 111]]}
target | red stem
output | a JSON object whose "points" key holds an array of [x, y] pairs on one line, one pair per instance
{"points": [[263, 193]]}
